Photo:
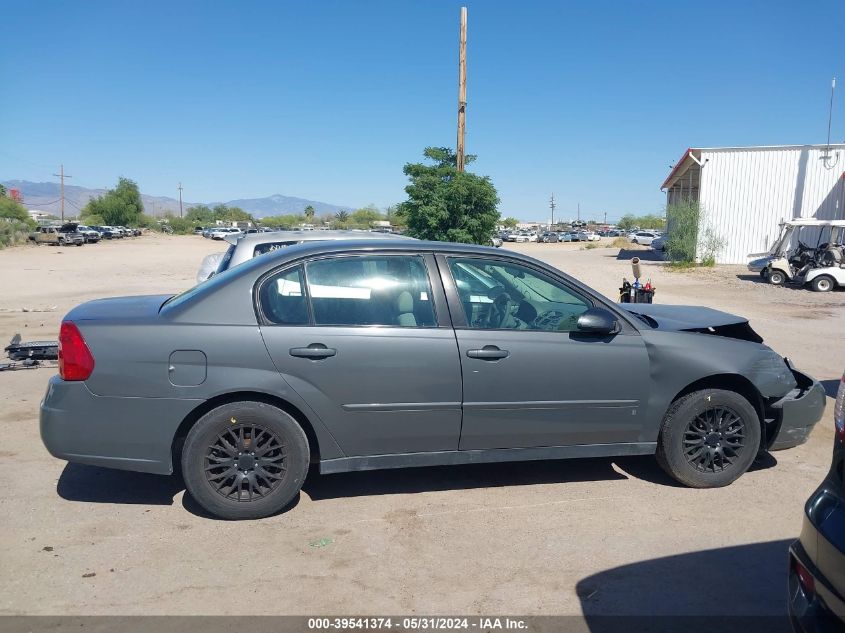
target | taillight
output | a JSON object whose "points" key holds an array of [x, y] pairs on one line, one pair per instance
{"points": [[75, 360], [839, 411], [805, 579]]}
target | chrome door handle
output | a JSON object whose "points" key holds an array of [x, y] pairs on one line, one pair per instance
{"points": [[488, 352], [315, 351]]}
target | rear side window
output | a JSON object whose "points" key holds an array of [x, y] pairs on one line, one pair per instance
{"points": [[283, 299], [371, 290]]}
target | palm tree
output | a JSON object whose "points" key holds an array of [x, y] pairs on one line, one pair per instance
{"points": [[309, 213], [341, 216]]}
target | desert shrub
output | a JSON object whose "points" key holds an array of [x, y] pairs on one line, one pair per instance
{"points": [[13, 232], [690, 235]]}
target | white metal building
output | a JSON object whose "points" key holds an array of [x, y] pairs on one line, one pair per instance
{"points": [[745, 192]]}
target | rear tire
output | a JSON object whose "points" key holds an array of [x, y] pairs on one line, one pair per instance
{"points": [[823, 283], [709, 438], [245, 460], [777, 277]]}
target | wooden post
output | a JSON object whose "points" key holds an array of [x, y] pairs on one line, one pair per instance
{"points": [[462, 90]]}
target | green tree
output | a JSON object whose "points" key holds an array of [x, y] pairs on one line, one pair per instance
{"points": [[13, 211], [2, 191], [285, 221], [365, 216], [120, 206], [309, 213], [342, 217], [200, 214], [628, 221], [510, 223], [447, 205]]}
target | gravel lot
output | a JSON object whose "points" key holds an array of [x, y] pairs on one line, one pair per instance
{"points": [[585, 536]]}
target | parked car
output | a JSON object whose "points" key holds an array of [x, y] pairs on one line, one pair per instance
{"points": [[659, 243], [243, 248], [64, 235], [104, 231], [564, 237], [198, 230], [89, 234], [817, 558], [208, 266], [592, 237], [222, 232], [548, 237], [496, 241], [301, 356], [642, 237]]}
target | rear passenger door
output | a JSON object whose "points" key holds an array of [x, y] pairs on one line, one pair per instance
{"points": [[365, 340]]}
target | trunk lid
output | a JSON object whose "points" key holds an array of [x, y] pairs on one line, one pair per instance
{"points": [[123, 309]]}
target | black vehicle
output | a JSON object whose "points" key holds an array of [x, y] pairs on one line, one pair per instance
{"points": [[817, 558], [548, 237], [105, 232]]}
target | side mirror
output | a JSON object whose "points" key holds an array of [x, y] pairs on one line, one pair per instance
{"points": [[597, 321]]}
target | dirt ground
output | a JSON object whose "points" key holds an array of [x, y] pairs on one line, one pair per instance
{"points": [[598, 536]]}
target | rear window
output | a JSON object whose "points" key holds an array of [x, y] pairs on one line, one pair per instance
{"points": [[269, 247]]}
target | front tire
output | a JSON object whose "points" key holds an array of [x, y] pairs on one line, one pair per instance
{"points": [[823, 283], [777, 277], [245, 460], [709, 438]]}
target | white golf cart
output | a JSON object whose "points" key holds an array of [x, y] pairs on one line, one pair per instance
{"points": [[807, 251]]}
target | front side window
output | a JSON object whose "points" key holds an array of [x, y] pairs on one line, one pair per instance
{"points": [[371, 290], [497, 295]]}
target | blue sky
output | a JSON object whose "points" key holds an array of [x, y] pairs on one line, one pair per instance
{"points": [[327, 100]]}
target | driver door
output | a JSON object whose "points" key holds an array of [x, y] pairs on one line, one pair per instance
{"points": [[530, 378]]}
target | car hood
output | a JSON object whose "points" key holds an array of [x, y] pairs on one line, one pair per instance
{"points": [[694, 319]]}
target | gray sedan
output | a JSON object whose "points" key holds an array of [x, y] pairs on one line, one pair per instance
{"points": [[356, 355]]}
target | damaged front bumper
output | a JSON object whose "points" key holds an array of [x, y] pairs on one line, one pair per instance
{"points": [[797, 412]]}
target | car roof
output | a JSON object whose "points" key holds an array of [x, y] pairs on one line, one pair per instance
{"points": [[253, 239]]}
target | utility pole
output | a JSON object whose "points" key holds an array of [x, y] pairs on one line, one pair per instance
{"points": [[180, 199], [62, 175], [552, 207], [579, 211], [830, 113], [462, 90], [605, 218]]}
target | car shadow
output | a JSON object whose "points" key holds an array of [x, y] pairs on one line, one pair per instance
{"points": [[645, 255], [464, 477], [708, 590], [92, 484], [830, 387]]}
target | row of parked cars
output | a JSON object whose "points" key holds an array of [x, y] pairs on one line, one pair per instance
{"points": [[73, 234], [221, 232], [546, 237]]}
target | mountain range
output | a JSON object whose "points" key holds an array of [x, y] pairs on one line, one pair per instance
{"points": [[46, 197]]}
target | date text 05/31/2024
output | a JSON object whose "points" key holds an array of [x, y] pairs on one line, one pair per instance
{"points": [[416, 623]]}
